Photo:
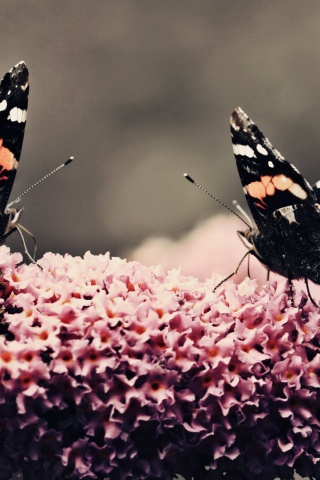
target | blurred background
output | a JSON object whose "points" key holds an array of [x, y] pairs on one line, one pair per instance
{"points": [[140, 92]]}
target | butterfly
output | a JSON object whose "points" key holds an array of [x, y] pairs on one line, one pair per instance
{"points": [[283, 204], [14, 90]]}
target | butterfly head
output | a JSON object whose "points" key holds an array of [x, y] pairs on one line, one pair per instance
{"points": [[9, 220]]}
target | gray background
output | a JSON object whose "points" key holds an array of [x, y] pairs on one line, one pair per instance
{"points": [[141, 91]]}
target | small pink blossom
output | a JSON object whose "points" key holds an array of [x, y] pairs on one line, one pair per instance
{"points": [[113, 370]]}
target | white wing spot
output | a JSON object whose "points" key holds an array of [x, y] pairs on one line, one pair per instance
{"points": [[243, 150], [3, 105], [298, 191], [249, 152], [262, 150], [270, 164], [288, 213], [291, 217], [24, 87], [17, 115]]}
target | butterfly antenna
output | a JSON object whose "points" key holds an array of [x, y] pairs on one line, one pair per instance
{"points": [[243, 212], [187, 176], [40, 181]]}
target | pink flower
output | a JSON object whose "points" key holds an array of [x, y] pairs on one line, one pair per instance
{"points": [[110, 369], [213, 246]]}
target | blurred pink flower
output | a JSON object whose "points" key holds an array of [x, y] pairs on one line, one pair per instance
{"points": [[213, 246], [113, 370]]}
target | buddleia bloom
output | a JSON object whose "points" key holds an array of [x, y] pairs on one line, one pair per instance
{"points": [[113, 370]]}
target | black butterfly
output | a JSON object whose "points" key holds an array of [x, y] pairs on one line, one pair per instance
{"points": [[284, 206], [14, 90]]}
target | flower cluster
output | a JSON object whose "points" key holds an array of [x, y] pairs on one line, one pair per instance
{"points": [[112, 370]]}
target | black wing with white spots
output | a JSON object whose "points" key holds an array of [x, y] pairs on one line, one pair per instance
{"points": [[268, 180], [14, 90]]}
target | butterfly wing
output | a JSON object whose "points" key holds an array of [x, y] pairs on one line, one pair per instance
{"points": [[292, 242], [269, 181], [14, 89], [316, 190]]}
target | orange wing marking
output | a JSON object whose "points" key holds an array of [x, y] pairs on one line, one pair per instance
{"points": [[7, 160], [267, 186]]}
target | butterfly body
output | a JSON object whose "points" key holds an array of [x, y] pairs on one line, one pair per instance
{"points": [[14, 90], [284, 206]]}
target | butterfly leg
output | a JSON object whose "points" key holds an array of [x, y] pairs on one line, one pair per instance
{"points": [[291, 291], [309, 294], [31, 257], [4, 238], [234, 271], [19, 228], [248, 267]]}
